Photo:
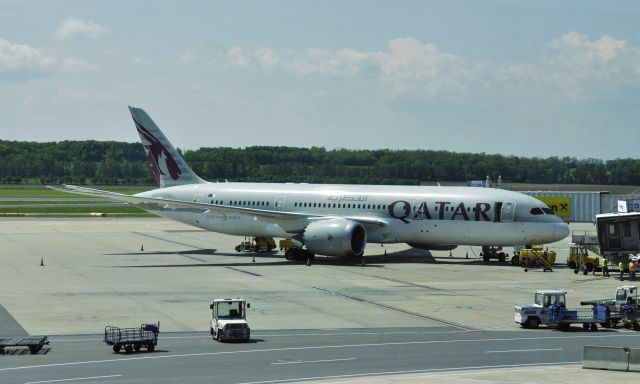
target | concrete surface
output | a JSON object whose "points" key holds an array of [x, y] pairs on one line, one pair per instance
{"points": [[96, 274]]}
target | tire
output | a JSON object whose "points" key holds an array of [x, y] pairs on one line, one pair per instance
{"points": [[137, 347], [128, 348], [563, 327], [219, 337], [248, 339], [151, 347], [533, 323], [501, 258], [572, 265], [594, 327], [485, 258], [514, 260], [288, 254], [585, 326], [116, 348]]}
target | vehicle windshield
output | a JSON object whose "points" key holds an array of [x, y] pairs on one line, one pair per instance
{"points": [[230, 310], [547, 300]]}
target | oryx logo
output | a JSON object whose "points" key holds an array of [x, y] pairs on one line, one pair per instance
{"points": [[162, 163]]}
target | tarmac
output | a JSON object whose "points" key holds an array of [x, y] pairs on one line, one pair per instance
{"points": [[74, 276]]}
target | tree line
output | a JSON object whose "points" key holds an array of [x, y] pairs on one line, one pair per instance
{"points": [[119, 163]]}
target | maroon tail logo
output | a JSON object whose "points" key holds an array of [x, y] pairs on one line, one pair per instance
{"points": [[162, 163]]}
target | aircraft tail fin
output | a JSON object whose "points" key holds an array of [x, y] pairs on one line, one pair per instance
{"points": [[168, 166]]}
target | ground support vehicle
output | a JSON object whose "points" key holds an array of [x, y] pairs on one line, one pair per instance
{"points": [[490, 252], [34, 343], [579, 259], [623, 308], [537, 257], [132, 339], [256, 244], [229, 320], [285, 244], [550, 309], [297, 253]]}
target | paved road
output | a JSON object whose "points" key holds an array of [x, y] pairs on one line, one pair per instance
{"points": [[297, 355]]}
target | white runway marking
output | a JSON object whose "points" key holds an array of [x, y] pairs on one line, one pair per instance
{"points": [[74, 379], [311, 361], [526, 350]]}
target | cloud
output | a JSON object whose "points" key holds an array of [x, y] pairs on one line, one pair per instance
{"points": [[574, 65], [71, 28], [72, 64], [19, 60], [188, 57], [407, 64], [578, 63]]}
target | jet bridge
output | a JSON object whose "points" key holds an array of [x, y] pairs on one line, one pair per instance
{"points": [[618, 235]]}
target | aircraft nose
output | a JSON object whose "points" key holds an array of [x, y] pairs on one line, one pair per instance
{"points": [[560, 231]]}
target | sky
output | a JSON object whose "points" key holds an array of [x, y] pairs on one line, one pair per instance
{"points": [[525, 78]]}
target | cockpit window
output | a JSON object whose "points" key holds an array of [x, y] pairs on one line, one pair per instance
{"points": [[548, 211], [536, 211]]}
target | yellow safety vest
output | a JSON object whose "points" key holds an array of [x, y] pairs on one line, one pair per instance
{"points": [[604, 262], [621, 266]]}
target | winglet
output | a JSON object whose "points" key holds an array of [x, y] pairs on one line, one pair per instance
{"points": [[169, 168]]}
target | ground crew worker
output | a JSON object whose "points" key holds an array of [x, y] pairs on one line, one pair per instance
{"points": [[632, 269], [605, 267], [621, 268]]}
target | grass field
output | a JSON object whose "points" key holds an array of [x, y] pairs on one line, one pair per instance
{"points": [[43, 192], [36, 208]]}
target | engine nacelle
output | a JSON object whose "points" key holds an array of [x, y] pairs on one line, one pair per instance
{"points": [[434, 247], [335, 237]]}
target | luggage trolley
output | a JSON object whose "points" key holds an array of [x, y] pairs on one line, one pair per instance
{"points": [[132, 339]]}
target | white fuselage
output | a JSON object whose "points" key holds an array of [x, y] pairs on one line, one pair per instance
{"points": [[410, 214]]}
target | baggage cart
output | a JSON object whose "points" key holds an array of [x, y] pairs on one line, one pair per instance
{"points": [[33, 343], [132, 339]]}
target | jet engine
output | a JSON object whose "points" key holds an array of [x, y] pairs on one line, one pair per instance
{"points": [[434, 247], [335, 237]]}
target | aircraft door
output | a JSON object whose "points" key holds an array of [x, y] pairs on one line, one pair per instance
{"points": [[279, 203], [197, 198], [503, 211]]}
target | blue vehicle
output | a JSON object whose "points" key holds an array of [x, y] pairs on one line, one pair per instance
{"points": [[550, 309]]}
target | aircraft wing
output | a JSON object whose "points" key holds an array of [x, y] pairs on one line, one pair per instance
{"points": [[159, 203]]}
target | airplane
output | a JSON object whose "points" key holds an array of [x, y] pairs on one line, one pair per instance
{"points": [[336, 220]]}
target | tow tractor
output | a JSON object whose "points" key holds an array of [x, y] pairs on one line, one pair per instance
{"points": [[623, 308], [491, 252], [229, 321], [256, 244], [550, 309]]}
